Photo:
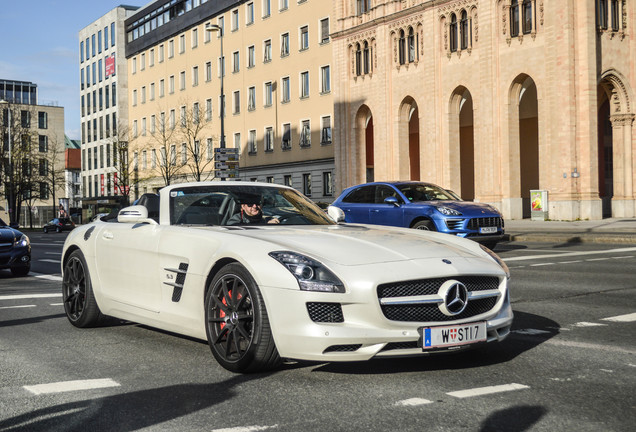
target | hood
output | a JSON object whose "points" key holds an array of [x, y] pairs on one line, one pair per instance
{"points": [[356, 244], [467, 208], [8, 234]]}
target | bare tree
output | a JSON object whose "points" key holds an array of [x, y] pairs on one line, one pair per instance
{"points": [[192, 127], [49, 160], [126, 175], [162, 138]]}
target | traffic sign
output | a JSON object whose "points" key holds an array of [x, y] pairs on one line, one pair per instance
{"points": [[228, 165], [226, 157], [226, 150], [227, 174]]}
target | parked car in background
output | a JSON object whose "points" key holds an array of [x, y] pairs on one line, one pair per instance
{"points": [[303, 288], [419, 205], [59, 225], [15, 250]]}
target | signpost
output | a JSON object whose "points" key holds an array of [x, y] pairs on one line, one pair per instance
{"points": [[226, 163]]}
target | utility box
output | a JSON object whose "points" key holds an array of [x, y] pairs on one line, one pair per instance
{"points": [[539, 204]]}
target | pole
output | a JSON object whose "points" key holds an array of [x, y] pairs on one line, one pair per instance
{"points": [[10, 182], [215, 27]]}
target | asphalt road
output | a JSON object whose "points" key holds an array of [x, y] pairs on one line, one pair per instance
{"points": [[569, 365]]}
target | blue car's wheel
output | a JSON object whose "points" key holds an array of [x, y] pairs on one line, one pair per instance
{"points": [[424, 225]]}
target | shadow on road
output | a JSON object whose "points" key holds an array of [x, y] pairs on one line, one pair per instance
{"points": [[128, 411], [518, 419]]}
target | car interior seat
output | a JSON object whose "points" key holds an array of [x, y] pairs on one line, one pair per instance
{"points": [[151, 202], [227, 209]]}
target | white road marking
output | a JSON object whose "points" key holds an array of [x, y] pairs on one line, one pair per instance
{"points": [[607, 370], [28, 296], [56, 304], [541, 264], [245, 428], [622, 318], [17, 307], [597, 259], [487, 390], [530, 332], [588, 324], [413, 402], [46, 276], [67, 386], [623, 257], [53, 253], [558, 255], [49, 260], [571, 262]]}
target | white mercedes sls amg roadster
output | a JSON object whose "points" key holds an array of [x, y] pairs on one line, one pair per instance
{"points": [[264, 274]]}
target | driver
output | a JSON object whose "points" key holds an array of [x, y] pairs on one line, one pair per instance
{"points": [[251, 213]]}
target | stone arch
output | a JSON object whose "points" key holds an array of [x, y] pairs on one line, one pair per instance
{"points": [[364, 149], [461, 146], [408, 140], [616, 146]]}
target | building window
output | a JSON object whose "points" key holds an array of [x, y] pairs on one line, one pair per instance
{"points": [[208, 71], [173, 154], [324, 30], [269, 139], [195, 38], [143, 94], [162, 88], [307, 184], [362, 6], [325, 130], [235, 20], [182, 44], [327, 183], [285, 95], [251, 142], [43, 146], [601, 14], [463, 30], [237, 102], [514, 18], [161, 53], [251, 98], [453, 33], [251, 56], [304, 84], [195, 76], [286, 142], [249, 13], [43, 120], [182, 116], [208, 110], [304, 38], [210, 148], [268, 94], [152, 91], [195, 113], [305, 134], [284, 45], [182, 80], [171, 84], [267, 51], [237, 140], [325, 79], [142, 61], [134, 97], [236, 67], [171, 119], [526, 16], [153, 158], [267, 8], [171, 48], [615, 15], [287, 180], [184, 154]]}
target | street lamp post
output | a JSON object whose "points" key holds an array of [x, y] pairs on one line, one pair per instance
{"points": [[217, 28], [10, 192]]}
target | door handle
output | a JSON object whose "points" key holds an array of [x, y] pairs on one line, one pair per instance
{"points": [[108, 235]]}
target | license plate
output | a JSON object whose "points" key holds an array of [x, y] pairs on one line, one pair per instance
{"points": [[449, 336], [488, 230]]}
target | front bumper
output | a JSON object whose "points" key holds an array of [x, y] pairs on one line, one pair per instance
{"points": [[15, 257], [364, 331]]}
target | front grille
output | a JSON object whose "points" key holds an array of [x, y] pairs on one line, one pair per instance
{"points": [[454, 224], [431, 312], [431, 286], [401, 346], [325, 312], [476, 223]]}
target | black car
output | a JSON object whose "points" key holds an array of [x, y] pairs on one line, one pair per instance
{"points": [[59, 225], [15, 250]]}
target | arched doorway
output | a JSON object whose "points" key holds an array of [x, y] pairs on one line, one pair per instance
{"points": [[527, 119], [615, 146], [462, 144], [409, 140], [365, 147]]}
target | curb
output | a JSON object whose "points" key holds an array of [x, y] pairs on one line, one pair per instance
{"points": [[561, 237]]}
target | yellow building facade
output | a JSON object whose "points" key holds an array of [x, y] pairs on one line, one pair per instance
{"points": [[276, 57], [490, 98]]}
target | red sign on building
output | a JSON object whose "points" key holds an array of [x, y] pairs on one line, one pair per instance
{"points": [[101, 177], [110, 65]]}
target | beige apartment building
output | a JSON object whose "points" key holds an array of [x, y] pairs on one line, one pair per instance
{"points": [[273, 59], [490, 98]]}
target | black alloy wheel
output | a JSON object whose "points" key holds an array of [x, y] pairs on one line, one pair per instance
{"points": [[237, 324], [45, 230], [77, 292], [425, 225]]}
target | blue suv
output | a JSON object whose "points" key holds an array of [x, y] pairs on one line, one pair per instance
{"points": [[419, 205]]}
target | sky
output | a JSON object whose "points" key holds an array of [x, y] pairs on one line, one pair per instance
{"points": [[40, 44]]}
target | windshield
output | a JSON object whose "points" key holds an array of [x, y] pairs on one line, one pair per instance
{"points": [[239, 205], [424, 192]]}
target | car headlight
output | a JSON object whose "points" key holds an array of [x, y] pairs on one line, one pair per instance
{"points": [[310, 274], [22, 241], [498, 260], [448, 211]]}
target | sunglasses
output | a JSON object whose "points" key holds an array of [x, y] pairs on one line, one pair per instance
{"points": [[252, 204]]}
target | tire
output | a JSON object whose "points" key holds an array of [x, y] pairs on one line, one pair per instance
{"points": [[58, 229], [45, 229], [425, 225], [77, 293], [21, 271], [237, 325]]}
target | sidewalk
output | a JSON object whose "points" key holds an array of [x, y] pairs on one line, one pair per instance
{"points": [[612, 230]]}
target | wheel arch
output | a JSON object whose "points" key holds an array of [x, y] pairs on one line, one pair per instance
{"points": [[421, 218], [69, 251], [214, 270]]}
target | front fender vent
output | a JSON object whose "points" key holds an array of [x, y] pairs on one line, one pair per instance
{"points": [[179, 280]]}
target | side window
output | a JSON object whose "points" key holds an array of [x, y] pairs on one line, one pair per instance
{"points": [[362, 195], [383, 192]]}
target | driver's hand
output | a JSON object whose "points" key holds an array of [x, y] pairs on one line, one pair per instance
{"points": [[273, 220]]}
